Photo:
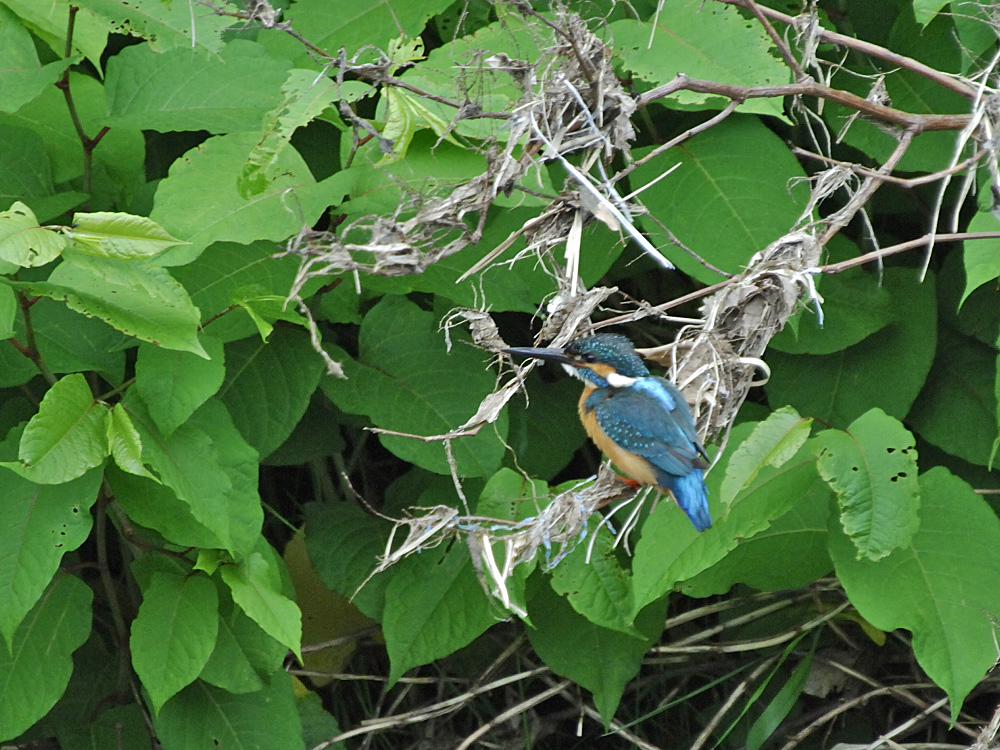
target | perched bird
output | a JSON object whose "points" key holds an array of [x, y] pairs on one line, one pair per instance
{"points": [[640, 421]]}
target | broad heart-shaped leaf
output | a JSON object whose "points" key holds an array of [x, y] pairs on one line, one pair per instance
{"points": [[343, 543], [118, 235], [269, 385], [773, 442], [50, 20], [173, 384], [23, 242], [203, 716], [166, 25], [136, 297], [22, 77], [39, 523], [40, 656], [791, 553], [434, 605], [710, 42], [245, 656], [598, 659], [174, 633], [68, 435], [670, 550], [982, 257], [125, 443], [840, 387], [728, 198], [957, 410], [199, 202], [855, 305], [192, 89], [408, 382], [873, 469], [255, 584], [209, 467], [942, 586]]}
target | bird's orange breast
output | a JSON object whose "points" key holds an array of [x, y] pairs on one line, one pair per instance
{"points": [[633, 466]]}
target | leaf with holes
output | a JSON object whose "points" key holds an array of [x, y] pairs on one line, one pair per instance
{"points": [[23, 242], [872, 466]]}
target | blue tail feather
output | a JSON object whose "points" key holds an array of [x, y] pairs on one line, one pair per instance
{"points": [[692, 495]]}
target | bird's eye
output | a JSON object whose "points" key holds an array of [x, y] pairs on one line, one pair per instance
{"points": [[588, 357]]}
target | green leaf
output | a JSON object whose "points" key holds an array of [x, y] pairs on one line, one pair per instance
{"points": [[40, 655], [855, 305], [873, 469], [50, 21], [544, 446], [407, 381], [781, 705], [941, 586], [407, 114], [713, 42], [982, 257], [772, 443], [343, 543], [118, 235], [670, 551], [23, 242], [174, 384], [957, 410], [601, 660], [925, 10], [67, 436], [255, 584], [211, 469], [22, 78], [306, 94], [174, 633], [166, 25], [268, 386], [8, 312], [202, 716], [728, 198], [191, 89], [136, 297], [125, 443], [434, 605], [841, 387], [762, 560], [38, 525], [199, 201], [245, 657]]}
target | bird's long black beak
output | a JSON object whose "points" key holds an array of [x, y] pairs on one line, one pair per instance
{"points": [[547, 354]]}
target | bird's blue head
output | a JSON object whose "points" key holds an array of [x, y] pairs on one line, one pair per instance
{"points": [[603, 359]]}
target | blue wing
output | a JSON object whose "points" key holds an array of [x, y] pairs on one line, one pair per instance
{"points": [[651, 419]]}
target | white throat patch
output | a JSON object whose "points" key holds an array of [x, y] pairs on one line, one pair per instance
{"points": [[616, 380]]}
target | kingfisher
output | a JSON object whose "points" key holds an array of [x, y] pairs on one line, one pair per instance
{"points": [[640, 421]]}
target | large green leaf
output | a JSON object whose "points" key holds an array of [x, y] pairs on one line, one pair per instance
{"points": [[22, 77], [941, 586], [671, 551], [68, 435], [840, 387], [40, 656], [872, 466], [601, 660], [407, 381], [957, 410], [192, 89], [38, 524], [119, 235], [166, 25], [728, 199], [50, 22], [255, 584], [27, 176], [210, 468], [174, 633], [199, 200], [136, 297], [203, 716], [268, 385], [434, 605], [713, 42], [772, 443]]}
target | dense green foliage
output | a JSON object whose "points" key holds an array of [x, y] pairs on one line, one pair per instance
{"points": [[250, 310]]}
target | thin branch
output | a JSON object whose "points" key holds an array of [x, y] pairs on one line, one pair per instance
{"points": [[905, 182], [907, 120]]}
